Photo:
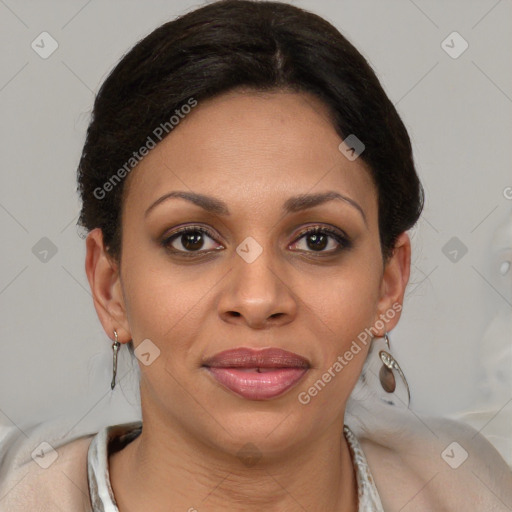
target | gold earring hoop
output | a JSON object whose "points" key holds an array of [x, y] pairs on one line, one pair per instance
{"points": [[115, 349], [386, 375]]}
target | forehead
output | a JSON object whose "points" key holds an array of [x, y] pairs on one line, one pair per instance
{"points": [[251, 148]]}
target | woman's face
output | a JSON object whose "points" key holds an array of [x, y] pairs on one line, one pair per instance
{"points": [[254, 279]]}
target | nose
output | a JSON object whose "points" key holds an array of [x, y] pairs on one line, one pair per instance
{"points": [[257, 294]]}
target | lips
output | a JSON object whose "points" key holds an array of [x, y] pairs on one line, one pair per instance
{"points": [[249, 358], [257, 374]]}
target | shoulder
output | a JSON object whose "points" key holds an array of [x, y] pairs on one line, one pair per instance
{"points": [[37, 471], [437, 464]]}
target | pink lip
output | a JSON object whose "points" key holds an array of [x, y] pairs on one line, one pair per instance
{"points": [[257, 374]]}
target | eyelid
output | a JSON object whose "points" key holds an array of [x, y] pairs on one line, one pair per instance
{"points": [[323, 227]]}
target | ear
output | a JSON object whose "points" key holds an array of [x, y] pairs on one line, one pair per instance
{"points": [[394, 281], [105, 282]]}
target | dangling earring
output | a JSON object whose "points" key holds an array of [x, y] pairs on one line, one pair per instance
{"points": [[386, 375], [115, 348]]}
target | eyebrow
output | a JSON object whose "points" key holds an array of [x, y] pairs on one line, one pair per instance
{"points": [[293, 204]]}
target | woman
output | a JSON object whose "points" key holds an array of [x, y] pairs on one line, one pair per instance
{"points": [[247, 187]]}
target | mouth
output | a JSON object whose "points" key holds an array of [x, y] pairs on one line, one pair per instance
{"points": [[257, 374]]}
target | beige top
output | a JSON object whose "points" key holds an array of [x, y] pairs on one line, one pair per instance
{"points": [[417, 464]]}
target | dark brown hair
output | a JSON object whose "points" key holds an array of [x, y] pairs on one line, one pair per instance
{"points": [[266, 46]]}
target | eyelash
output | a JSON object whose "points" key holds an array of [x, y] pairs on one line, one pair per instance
{"points": [[343, 241]]}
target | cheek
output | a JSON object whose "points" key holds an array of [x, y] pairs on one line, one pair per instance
{"points": [[356, 304], [166, 308], [342, 310], [161, 305]]}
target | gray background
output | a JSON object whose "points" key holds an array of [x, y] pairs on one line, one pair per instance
{"points": [[456, 329]]}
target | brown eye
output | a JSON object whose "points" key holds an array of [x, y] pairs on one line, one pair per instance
{"points": [[317, 239], [191, 239]]}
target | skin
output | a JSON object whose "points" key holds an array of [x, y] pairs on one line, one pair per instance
{"points": [[253, 151]]}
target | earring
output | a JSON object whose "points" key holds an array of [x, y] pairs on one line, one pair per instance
{"points": [[386, 375], [115, 348]]}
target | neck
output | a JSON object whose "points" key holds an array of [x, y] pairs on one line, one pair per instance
{"points": [[165, 465]]}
